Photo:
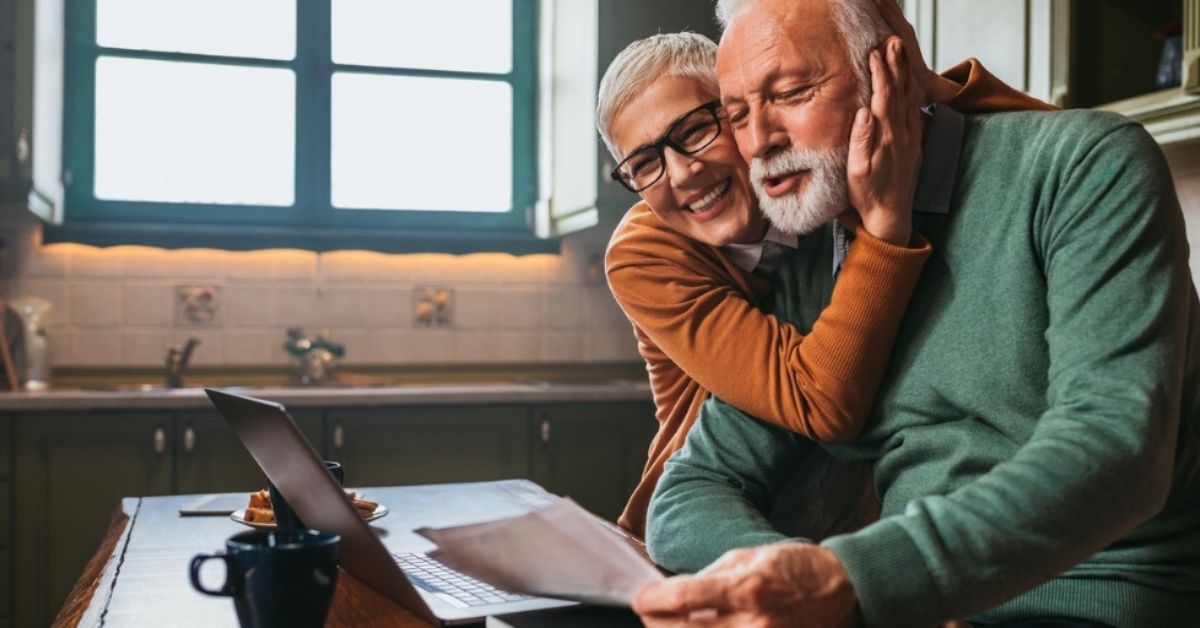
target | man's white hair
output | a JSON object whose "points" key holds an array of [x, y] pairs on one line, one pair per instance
{"points": [[857, 21], [685, 55]]}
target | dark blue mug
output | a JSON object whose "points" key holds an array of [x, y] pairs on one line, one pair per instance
{"points": [[276, 579]]}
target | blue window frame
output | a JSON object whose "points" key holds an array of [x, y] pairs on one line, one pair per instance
{"points": [[308, 215]]}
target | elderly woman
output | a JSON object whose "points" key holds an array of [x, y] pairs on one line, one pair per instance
{"points": [[689, 263]]}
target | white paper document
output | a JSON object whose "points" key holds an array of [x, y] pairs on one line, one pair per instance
{"points": [[560, 550]]}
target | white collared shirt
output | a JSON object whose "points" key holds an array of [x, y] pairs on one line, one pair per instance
{"points": [[762, 256]]}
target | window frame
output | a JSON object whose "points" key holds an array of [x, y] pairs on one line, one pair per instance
{"points": [[311, 221]]}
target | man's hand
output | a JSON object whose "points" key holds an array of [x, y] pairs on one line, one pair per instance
{"points": [[937, 88], [784, 584], [885, 148]]}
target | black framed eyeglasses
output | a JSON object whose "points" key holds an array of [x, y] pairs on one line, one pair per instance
{"points": [[688, 135]]}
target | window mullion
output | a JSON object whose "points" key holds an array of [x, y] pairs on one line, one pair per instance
{"points": [[524, 75], [313, 75], [79, 113]]}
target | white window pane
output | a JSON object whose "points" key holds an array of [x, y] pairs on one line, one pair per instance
{"points": [[403, 142], [192, 132], [263, 29], [463, 35]]}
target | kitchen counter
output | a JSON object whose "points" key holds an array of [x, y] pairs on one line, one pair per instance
{"points": [[335, 396]]}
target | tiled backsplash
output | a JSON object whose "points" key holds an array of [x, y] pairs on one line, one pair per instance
{"points": [[117, 306]]}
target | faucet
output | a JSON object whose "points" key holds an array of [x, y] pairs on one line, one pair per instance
{"points": [[177, 362]]}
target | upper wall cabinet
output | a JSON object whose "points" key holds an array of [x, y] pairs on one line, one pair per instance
{"points": [[1137, 58]]}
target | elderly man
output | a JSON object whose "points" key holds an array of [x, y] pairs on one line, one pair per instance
{"points": [[1036, 440]]}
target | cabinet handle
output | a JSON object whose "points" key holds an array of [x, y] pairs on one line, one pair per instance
{"points": [[339, 435], [189, 439], [545, 431], [160, 440]]}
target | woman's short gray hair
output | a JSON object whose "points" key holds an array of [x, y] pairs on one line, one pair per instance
{"points": [[685, 55], [857, 21]]}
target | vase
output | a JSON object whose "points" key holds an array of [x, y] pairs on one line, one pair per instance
{"points": [[34, 313]]}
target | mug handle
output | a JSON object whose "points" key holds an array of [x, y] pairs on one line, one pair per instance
{"points": [[198, 560]]}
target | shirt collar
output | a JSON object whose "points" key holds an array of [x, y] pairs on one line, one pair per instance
{"points": [[939, 163], [748, 256]]}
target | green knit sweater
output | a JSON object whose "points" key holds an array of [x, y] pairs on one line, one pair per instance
{"points": [[1037, 437]]}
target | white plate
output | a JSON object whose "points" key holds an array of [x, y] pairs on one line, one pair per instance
{"points": [[240, 517]]}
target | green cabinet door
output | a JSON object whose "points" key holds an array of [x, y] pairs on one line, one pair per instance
{"points": [[74, 468], [592, 452], [209, 458], [429, 444]]}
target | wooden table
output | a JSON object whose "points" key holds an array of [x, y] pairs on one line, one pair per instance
{"points": [[139, 575]]}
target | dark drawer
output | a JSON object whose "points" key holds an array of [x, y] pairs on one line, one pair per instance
{"points": [[6, 439], [5, 585], [5, 513]]}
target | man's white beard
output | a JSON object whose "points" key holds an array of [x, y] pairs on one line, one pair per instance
{"points": [[818, 202]]}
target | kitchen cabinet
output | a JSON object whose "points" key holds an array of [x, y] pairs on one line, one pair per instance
{"points": [[1101, 54], [67, 470], [592, 453], [73, 469], [5, 520], [209, 458], [429, 444], [1023, 43]]}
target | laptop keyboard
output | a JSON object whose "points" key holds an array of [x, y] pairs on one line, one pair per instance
{"points": [[437, 578]]}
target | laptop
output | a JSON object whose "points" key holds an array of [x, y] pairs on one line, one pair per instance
{"points": [[417, 582]]}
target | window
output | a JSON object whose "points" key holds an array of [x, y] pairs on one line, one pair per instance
{"points": [[327, 124]]}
